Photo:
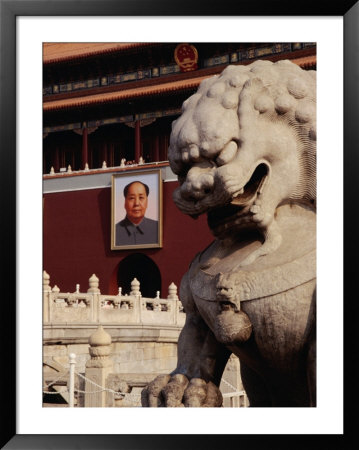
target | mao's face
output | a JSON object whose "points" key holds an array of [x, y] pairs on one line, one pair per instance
{"points": [[136, 202]]}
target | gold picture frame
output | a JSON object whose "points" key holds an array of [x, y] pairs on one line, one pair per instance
{"points": [[147, 233]]}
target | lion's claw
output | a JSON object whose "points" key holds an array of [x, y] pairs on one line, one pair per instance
{"points": [[173, 392]]}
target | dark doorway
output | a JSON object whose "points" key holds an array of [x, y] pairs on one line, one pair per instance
{"points": [[144, 269]]}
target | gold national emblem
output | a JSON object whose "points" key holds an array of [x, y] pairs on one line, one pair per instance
{"points": [[186, 56]]}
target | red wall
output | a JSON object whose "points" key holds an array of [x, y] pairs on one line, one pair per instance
{"points": [[77, 240]]}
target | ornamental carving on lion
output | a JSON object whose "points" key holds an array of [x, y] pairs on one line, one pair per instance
{"points": [[244, 150]]}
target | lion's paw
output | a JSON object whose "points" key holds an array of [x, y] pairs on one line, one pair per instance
{"points": [[177, 391]]}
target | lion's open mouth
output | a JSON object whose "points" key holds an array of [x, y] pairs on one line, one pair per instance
{"points": [[242, 201], [252, 187]]}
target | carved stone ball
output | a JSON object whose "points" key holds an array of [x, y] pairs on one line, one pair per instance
{"points": [[233, 327]]}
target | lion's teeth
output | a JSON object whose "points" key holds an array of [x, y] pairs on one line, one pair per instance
{"points": [[238, 193]]}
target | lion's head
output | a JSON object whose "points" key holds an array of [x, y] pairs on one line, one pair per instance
{"points": [[246, 143]]}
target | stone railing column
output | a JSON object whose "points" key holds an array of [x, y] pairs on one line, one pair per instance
{"points": [[46, 296], [172, 295], [98, 369], [53, 297], [135, 288], [95, 291], [172, 292], [136, 293]]}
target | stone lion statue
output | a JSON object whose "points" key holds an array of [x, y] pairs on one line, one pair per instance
{"points": [[244, 150]]}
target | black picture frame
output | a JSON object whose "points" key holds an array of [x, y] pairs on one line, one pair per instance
{"points": [[9, 10]]}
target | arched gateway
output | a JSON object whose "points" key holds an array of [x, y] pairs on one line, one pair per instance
{"points": [[144, 269]]}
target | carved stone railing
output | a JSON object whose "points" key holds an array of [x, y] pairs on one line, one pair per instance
{"points": [[123, 309]]}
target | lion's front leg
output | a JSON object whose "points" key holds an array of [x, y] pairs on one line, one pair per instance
{"points": [[201, 361], [195, 381]]}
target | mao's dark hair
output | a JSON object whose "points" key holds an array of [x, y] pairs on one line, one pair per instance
{"points": [[126, 188]]}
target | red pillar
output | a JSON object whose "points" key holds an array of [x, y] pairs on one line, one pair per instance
{"points": [[57, 160], [137, 141], [111, 154], [84, 147], [156, 156], [62, 157], [104, 155]]}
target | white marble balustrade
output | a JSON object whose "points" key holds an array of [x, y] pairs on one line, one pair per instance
{"points": [[124, 309]]}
